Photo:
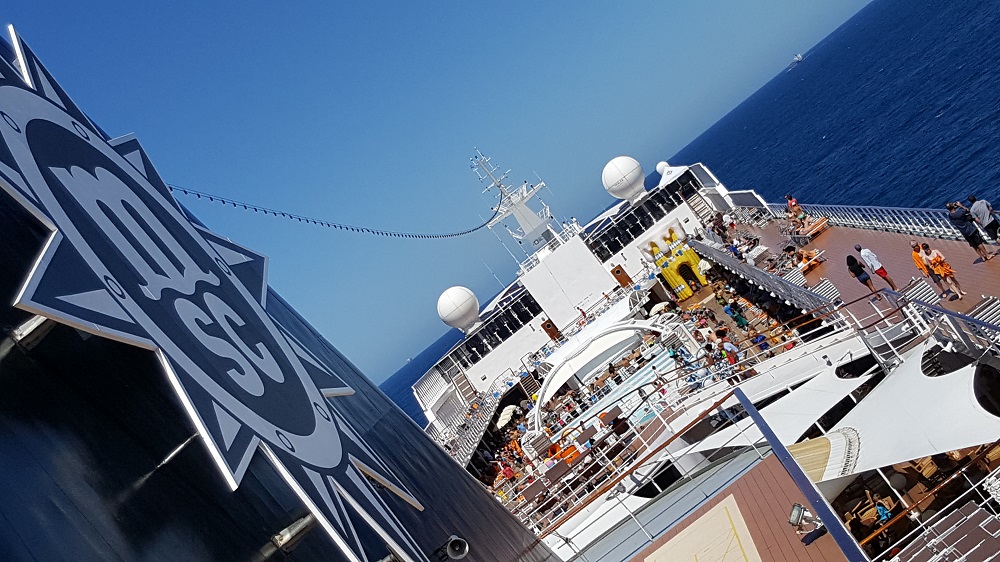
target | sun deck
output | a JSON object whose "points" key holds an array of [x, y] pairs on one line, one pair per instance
{"points": [[976, 277], [744, 518]]}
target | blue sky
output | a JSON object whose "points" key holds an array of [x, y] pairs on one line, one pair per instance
{"points": [[367, 113]]}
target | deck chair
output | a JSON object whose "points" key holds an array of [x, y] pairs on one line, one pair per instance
{"points": [[758, 255], [919, 289], [795, 277], [988, 311], [826, 289], [804, 237], [812, 263]]}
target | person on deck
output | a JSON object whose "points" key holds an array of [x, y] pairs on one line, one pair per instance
{"points": [[798, 214], [731, 352], [734, 311], [918, 261], [982, 212], [857, 271], [872, 260], [934, 259], [963, 220]]}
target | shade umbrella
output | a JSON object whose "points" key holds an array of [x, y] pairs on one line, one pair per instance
{"points": [[505, 416], [658, 308]]}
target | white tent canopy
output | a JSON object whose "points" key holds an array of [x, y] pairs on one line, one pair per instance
{"points": [[506, 415], [911, 415], [790, 416], [598, 342]]}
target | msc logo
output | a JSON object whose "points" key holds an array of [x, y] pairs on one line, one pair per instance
{"points": [[123, 261]]}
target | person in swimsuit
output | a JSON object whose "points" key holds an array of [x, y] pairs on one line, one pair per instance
{"points": [[857, 270]]}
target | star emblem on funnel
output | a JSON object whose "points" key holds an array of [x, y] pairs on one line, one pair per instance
{"points": [[124, 261]]}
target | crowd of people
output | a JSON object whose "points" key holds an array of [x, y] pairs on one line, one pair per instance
{"points": [[728, 348], [930, 261], [971, 221]]}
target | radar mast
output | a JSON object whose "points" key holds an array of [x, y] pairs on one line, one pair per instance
{"points": [[513, 202]]}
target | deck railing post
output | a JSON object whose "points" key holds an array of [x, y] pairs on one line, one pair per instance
{"points": [[851, 549]]}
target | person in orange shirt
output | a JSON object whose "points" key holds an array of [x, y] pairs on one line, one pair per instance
{"points": [[918, 261], [934, 260]]}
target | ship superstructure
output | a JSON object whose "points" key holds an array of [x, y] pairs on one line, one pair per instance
{"points": [[602, 267], [623, 410]]}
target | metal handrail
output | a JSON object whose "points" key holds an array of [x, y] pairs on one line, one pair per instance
{"points": [[614, 482], [678, 409], [932, 223], [931, 494], [800, 296]]}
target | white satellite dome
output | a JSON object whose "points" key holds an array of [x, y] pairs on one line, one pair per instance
{"points": [[458, 307], [661, 167], [623, 177]]}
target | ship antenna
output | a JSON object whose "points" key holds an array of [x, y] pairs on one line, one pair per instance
{"points": [[487, 170], [490, 269], [511, 254], [512, 202]]}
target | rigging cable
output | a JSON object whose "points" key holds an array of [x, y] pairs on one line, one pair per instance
{"points": [[339, 226]]}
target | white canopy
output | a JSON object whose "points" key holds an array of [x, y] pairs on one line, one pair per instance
{"points": [[911, 415], [506, 415], [790, 416], [593, 342]]}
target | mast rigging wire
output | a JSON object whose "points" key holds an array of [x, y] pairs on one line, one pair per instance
{"points": [[339, 226]]}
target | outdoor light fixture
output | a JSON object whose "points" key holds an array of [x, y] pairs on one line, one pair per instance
{"points": [[456, 548]]}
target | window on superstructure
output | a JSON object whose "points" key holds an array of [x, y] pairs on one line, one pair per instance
{"points": [[645, 215]]}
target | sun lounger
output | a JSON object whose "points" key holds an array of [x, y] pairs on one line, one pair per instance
{"points": [[826, 289], [810, 264], [795, 277], [805, 236]]}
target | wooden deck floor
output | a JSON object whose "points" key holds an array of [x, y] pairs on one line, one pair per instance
{"points": [[976, 277], [763, 498]]}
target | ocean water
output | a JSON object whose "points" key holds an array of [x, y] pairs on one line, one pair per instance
{"points": [[898, 107]]}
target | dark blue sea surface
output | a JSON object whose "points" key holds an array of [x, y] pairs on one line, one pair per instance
{"points": [[398, 387], [898, 107]]}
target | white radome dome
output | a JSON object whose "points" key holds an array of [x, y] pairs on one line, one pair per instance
{"points": [[662, 167], [623, 177], [458, 307]]}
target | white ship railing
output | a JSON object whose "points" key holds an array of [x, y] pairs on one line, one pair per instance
{"points": [[469, 431], [930, 223], [430, 386], [984, 494]]}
